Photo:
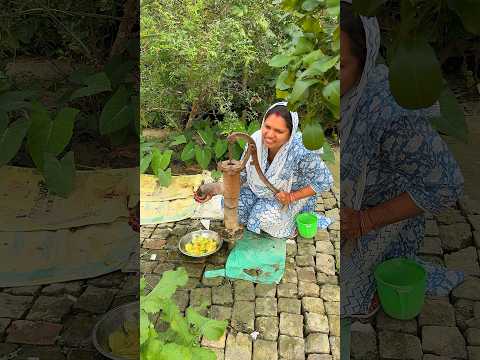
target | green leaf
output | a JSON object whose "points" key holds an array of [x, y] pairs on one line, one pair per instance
{"points": [[203, 354], [280, 60], [311, 25], [165, 288], [469, 13], [59, 175], [207, 136], [93, 85], [281, 81], [188, 152], [145, 162], [116, 113], [312, 57], [333, 7], [144, 326], [300, 88], [331, 92], [220, 148], [216, 175], [310, 5], [336, 39], [11, 137], [415, 75], [179, 140], [165, 177], [49, 136], [281, 94], [328, 154], [160, 160], [211, 329], [367, 7], [176, 352], [203, 156], [15, 100], [320, 66], [452, 122], [303, 46], [253, 126]]}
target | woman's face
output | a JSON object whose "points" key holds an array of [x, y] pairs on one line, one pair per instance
{"points": [[350, 66], [275, 132]]}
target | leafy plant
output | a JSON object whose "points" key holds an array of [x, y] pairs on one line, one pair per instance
{"points": [[204, 58], [416, 47], [310, 64], [181, 339]]}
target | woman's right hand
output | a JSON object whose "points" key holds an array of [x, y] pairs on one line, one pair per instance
{"points": [[203, 199]]}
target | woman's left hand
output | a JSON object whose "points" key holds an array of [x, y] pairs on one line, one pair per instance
{"points": [[284, 197], [350, 223]]}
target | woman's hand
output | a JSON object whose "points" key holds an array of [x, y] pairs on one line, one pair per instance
{"points": [[350, 224], [284, 197], [203, 199], [206, 191]]}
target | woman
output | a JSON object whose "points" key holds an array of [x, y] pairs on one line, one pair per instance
{"points": [[300, 175], [394, 168]]}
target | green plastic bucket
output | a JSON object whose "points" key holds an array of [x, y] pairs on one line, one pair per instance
{"points": [[307, 224], [401, 287]]}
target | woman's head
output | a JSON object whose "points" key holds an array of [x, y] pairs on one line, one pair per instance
{"points": [[353, 49], [277, 127]]}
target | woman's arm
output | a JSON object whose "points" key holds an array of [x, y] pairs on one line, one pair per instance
{"points": [[392, 211], [355, 223], [288, 197]]}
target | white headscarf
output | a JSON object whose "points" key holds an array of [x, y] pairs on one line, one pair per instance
{"points": [[277, 167], [350, 100]]}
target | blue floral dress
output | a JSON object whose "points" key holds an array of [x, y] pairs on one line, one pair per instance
{"points": [[400, 152], [265, 213]]}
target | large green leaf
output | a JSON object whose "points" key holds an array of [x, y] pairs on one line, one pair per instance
{"points": [[415, 75], [207, 136], [188, 152], [220, 148], [11, 137], [175, 352], [49, 136], [299, 89], [93, 85], [59, 175], [211, 329], [303, 46], [164, 177], [179, 140], [367, 7], [165, 288], [331, 93], [203, 155], [253, 126], [311, 25], [333, 7], [281, 81], [328, 154], [145, 162], [320, 66], [469, 13], [452, 119], [14, 100], [281, 60], [160, 160], [203, 354], [117, 112], [312, 57], [309, 5]]}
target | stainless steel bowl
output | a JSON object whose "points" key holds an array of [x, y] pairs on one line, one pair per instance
{"points": [[111, 322], [188, 238]]}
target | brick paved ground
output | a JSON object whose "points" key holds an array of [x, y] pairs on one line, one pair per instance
{"points": [[55, 322], [447, 328], [296, 319]]}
